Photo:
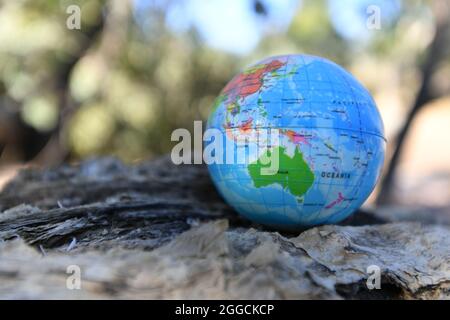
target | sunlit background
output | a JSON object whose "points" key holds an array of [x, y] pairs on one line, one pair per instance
{"points": [[139, 69]]}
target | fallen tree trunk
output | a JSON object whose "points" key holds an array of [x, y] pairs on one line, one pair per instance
{"points": [[156, 230]]}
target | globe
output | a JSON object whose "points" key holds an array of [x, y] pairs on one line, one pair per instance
{"points": [[320, 127]]}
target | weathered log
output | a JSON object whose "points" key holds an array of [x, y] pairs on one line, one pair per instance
{"points": [[156, 230]]}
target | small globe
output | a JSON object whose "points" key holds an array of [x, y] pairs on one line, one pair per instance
{"points": [[329, 151]]}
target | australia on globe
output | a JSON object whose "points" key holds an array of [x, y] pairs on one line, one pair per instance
{"points": [[320, 125]]}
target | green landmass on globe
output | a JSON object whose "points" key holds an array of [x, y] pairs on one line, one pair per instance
{"points": [[290, 172]]}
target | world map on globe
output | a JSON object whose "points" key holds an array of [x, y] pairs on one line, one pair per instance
{"points": [[330, 146]]}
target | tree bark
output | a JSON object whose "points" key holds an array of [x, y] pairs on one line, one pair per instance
{"points": [[156, 230]]}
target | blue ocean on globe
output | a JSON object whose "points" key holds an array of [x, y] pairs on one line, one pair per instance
{"points": [[330, 144]]}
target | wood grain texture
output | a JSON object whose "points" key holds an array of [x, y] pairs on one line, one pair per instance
{"points": [[156, 230]]}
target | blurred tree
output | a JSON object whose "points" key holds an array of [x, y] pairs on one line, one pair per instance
{"points": [[437, 53], [312, 32], [35, 72]]}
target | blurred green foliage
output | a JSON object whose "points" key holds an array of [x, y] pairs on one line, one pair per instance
{"points": [[121, 87]]}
